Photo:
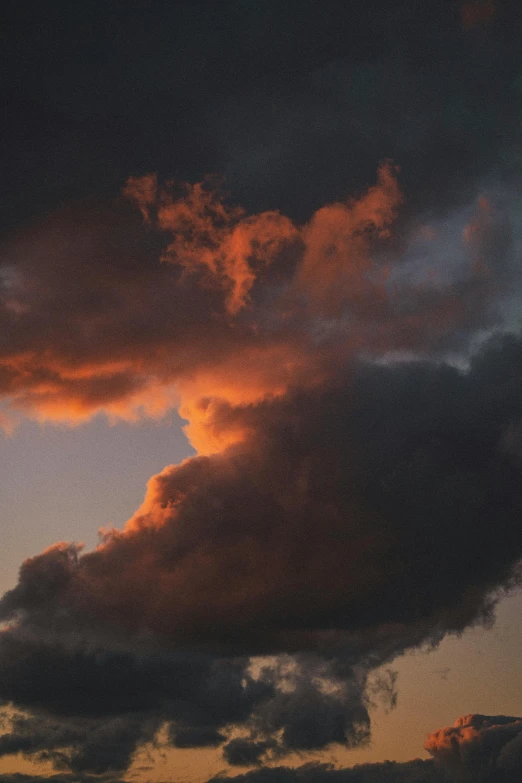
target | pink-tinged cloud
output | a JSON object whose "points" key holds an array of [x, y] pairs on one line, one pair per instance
{"points": [[480, 748], [200, 304]]}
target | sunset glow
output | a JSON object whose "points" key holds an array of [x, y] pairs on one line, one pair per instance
{"points": [[260, 393]]}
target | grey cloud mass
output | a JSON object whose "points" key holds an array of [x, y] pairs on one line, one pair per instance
{"points": [[345, 346]]}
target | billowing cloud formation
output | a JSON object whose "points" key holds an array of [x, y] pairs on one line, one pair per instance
{"points": [[355, 494], [480, 748], [92, 322], [241, 307], [346, 499], [354, 520], [358, 436]]}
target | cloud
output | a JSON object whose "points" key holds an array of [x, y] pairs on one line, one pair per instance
{"points": [[84, 746], [480, 748], [342, 460], [103, 326], [297, 123], [355, 488], [71, 777], [318, 539], [241, 752], [242, 306], [388, 772], [327, 491], [344, 499], [416, 771]]}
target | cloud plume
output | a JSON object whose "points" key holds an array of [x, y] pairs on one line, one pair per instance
{"points": [[340, 333], [355, 489]]}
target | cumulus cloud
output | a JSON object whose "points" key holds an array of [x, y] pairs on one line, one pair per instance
{"points": [[355, 489], [344, 504], [345, 499], [353, 521], [480, 748], [241, 307], [102, 326]]}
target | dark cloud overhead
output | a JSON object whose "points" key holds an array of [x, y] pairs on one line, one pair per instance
{"points": [[302, 100]]}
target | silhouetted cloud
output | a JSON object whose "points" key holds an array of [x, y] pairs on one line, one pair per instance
{"points": [[416, 771], [82, 745]]}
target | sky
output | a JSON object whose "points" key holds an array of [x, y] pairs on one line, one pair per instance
{"points": [[260, 375]]}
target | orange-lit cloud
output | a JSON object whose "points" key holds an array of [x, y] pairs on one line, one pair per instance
{"points": [[241, 307], [480, 748], [218, 320], [336, 266]]}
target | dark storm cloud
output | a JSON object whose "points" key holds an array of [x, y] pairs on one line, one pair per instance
{"points": [[72, 777], [355, 520], [340, 511], [91, 682], [442, 102], [201, 737], [83, 746], [89, 709], [296, 104], [388, 772], [245, 753], [386, 498]]}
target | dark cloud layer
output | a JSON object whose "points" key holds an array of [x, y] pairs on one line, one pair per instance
{"points": [[416, 771], [389, 772], [82, 746], [298, 108], [71, 777], [356, 419]]}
